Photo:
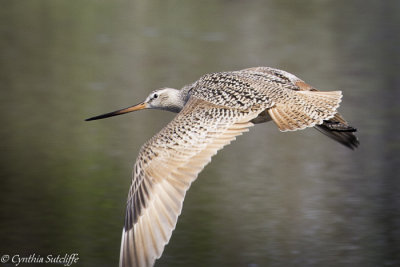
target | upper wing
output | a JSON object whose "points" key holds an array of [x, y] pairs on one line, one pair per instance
{"points": [[166, 166], [335, 127], [296, 82], [290, 108]]}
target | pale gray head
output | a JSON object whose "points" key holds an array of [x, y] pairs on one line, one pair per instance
{"points": [[169, 99]]}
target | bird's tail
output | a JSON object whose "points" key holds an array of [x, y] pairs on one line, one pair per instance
{"points": [[339, 130]]}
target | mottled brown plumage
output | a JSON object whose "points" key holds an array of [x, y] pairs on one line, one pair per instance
{"points": [[211, 113]]}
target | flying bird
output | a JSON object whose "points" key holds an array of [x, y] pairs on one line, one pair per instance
{"points": [[212, 112]]}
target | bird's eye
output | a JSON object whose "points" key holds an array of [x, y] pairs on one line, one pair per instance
{"points": [[155, 96]]}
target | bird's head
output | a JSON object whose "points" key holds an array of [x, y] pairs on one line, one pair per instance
{"points": [[168, 99]]}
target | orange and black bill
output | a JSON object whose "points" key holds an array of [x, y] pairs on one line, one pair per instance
{"points": [[139, 106]]}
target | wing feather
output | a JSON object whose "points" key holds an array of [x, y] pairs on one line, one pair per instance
{"points": [[332, 124], [166, 166]]}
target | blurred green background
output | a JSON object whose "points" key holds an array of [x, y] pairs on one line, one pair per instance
{"points": [[269, 199]]}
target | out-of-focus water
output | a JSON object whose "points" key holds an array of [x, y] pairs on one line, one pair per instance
{"points": [[269, 199]]}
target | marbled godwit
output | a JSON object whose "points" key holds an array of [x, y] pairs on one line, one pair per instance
{"points": [[211, 113]]}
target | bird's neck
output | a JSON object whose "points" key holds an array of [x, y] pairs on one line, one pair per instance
{"points": [[178, 100], [184, 94]]}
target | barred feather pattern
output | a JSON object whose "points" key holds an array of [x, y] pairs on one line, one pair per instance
{"points": [[289, 107], [166, 166], [213, 111]]}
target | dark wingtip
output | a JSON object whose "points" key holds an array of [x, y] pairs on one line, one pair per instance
{"points": [[344, 137]]}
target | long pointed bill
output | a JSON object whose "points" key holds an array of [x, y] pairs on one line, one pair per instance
{"points": [[139, 106]]}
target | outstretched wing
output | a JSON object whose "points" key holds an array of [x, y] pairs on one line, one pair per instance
{"points": [[290, 108], [166, 166], [335, 127]]}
